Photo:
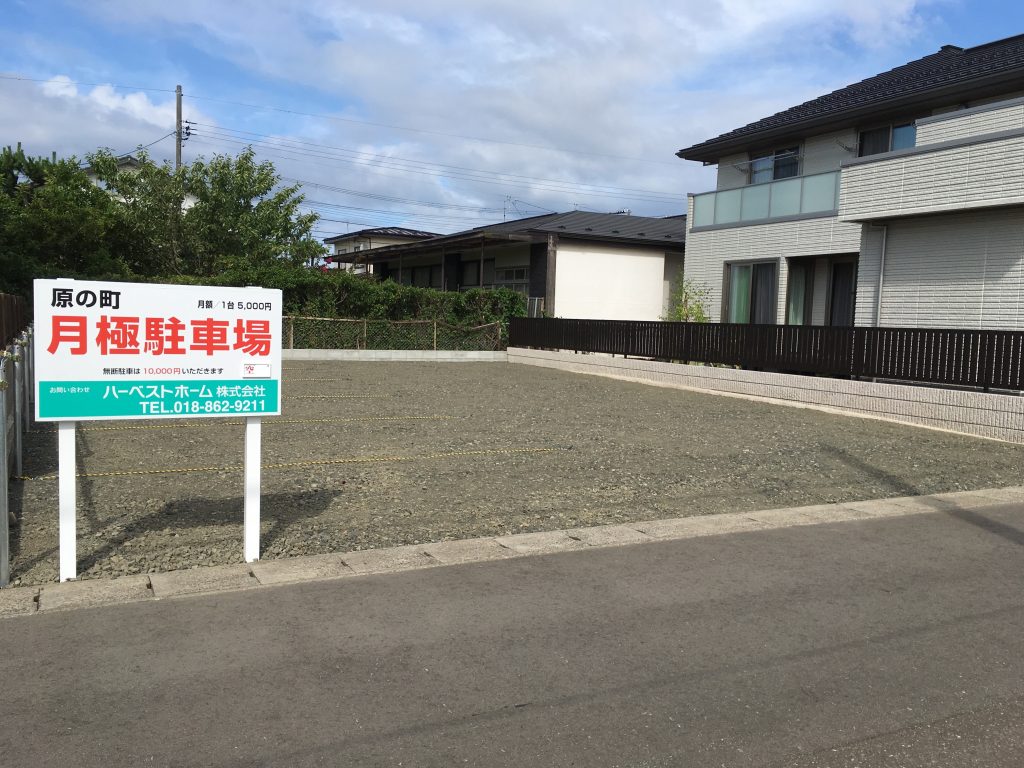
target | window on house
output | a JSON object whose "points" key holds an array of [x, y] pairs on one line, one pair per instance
{"points": [[778, 164], [842, 293], [470, 277], [751, 290], [800, 292], [887, 138], [421, 277], [821, 290], [357, 247], [514, 278]]}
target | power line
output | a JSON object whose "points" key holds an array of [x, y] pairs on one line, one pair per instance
{"points": [[327, 151], [351, 120], [480, 177], [54, 81], [390, 199], [429, 132]]}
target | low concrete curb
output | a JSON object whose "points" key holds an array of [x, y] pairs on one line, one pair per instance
{"points": [[23, 601], [396, 355]]}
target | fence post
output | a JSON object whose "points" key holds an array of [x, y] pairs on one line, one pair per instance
{"points": [[291, 333], [30, 377], [5, 513], [364, 333], [26, 381], [435, 335], [16, 378]]}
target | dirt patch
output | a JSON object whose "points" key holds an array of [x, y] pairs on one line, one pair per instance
{"points": [[431, 451]]}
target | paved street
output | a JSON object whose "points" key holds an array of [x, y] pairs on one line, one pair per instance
{"points": [[895, 641]]}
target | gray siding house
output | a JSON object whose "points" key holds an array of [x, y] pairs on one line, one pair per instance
{"points": [[896, 201]]}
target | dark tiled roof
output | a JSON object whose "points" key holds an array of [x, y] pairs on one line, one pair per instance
{"points": [[596, 225], [951, 74], [609, 227], [383, 232]]}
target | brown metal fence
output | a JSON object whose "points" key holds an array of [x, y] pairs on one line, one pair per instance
{"points": [[14, 317], [958, 357]]}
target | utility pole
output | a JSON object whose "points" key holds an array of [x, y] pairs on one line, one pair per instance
{"points": [[177, 128]]}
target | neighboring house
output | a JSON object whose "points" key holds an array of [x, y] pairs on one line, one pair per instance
{"points": [[896, 201], [124, 163], [131, 164], [348, 250], [577, 264]]}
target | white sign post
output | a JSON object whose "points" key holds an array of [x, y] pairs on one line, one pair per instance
{"points": [[139, 351]]}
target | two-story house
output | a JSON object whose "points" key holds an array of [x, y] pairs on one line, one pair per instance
{"points": [[896, 201], [348, 251]]}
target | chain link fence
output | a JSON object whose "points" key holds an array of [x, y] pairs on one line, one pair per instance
{"points": [[334, 333]]}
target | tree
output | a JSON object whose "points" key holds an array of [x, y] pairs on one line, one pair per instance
{"points": [[228, 218], [53, 221], [147, 230], [242, 220], [687, 302]]}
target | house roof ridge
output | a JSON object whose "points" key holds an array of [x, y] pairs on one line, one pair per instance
{"points": [[950, 67]]}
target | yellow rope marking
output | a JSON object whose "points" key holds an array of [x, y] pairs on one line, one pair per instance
{"points": [[337, 397], [269, 421], [315, 463]]}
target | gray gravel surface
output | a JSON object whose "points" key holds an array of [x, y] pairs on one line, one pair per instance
{"points": [[581, 450]]}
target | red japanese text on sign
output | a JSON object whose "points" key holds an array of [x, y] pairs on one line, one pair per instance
{"points": [[119, 335]]}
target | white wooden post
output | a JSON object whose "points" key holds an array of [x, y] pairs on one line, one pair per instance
{"points": [[253, 429], [68, 569]]}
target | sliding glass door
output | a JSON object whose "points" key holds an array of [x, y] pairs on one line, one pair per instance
{"points": [[752, 291]]}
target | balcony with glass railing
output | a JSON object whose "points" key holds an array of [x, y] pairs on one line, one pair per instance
{"points": [[799, 197]]}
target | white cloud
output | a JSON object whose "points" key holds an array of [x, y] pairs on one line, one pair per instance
{"points": [[59, 116], [638, 80], [60, 86]]}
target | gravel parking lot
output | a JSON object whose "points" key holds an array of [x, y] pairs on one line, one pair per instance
{"points": [[382, 454]]}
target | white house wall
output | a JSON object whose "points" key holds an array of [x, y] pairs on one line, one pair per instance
{"points": [[609, 282], [733, 171], [950, 179], [673, 271], [957, 125], [707, 252], [963, 271], [826, 152]]}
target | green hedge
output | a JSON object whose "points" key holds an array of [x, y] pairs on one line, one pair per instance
{"points": [[340, 294]]}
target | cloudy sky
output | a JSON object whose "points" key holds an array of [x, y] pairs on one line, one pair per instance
{"points": [[448, 114]]}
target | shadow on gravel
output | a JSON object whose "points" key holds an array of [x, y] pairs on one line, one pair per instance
{"points": [[978, 520], [278, 512], [891, 482]]}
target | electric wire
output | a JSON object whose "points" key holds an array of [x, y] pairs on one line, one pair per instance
{"points": [[372, 161]]}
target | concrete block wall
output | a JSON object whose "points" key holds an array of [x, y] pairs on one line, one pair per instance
{"points": [[1000, 417]]}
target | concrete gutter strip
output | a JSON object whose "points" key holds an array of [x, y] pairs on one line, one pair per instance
{"points": [[21, 601]]}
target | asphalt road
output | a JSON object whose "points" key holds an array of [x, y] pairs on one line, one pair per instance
{"points": [[890, 642]]}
